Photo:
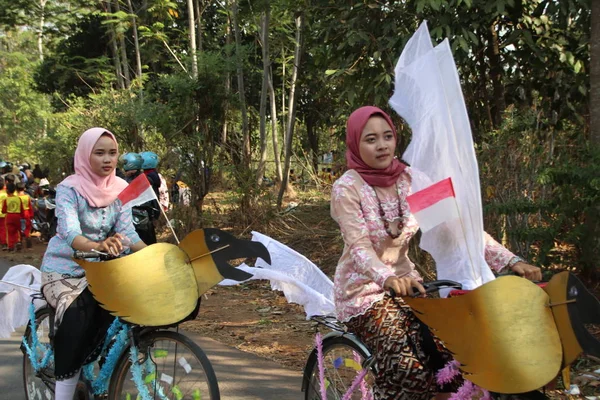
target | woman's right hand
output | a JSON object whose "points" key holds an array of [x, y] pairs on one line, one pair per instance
{"points": [[403, 286], [111, 245]]}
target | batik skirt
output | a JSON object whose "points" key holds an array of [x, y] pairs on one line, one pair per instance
{"points": [[80, 323], [407, 355]]}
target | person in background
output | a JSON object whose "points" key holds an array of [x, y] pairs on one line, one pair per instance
{"points": [[163, 193], [131, 165], [329, 177], [27, 214], [28, 173], [174, 191], [142, 214], [13, 208], [37, 173], [149, 167], [3, 242], [159, 184]]}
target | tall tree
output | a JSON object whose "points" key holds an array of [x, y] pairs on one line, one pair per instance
{"points": [[136, 42], [264, 38], [116, 57], [192, 35], [240, 80], [291, 120], [595, 74], [274, 124], [121, 30]]}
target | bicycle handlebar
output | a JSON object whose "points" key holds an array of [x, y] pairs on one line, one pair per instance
{"points": [[81, 255], [433, 286]]}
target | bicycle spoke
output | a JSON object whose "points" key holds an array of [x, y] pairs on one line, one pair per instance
{"points": [[171, 370], [342, 363]]}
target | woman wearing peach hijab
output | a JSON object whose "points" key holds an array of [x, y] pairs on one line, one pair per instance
{"points": [[88, 219], [369, 204]]}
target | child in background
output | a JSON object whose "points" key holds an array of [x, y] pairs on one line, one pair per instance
{"points": [[27, 214], [13, 208], [2, 216]]}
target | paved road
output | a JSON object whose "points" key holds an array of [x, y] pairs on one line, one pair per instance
{"points": [[241, 375]]}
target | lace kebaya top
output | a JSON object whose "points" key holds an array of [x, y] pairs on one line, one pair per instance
{"points": [[370, 255]]}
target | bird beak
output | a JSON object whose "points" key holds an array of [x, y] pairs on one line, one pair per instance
{"points": [[209, 251], [574, 306]]}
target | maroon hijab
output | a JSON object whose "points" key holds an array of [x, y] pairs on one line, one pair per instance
{"points": [[374, 177]]}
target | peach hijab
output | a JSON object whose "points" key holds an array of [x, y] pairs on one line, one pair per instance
{"points": [[99, 191]]}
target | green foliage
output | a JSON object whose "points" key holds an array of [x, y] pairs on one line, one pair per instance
{"points": [[542, 197], [524, 67], [80, 66], [23, 111]]}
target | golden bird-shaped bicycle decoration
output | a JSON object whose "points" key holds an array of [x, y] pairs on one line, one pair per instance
{"points": [[511, 335], [161, 284]]}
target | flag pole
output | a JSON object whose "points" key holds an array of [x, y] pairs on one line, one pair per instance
{"points": [[168, 222]]}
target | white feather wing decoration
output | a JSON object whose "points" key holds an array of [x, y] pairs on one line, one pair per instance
{"points": [[428, 96], [301, 281]]}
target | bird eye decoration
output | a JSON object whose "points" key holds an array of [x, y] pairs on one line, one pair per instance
{"points": [[573, 292], [215, 238]]}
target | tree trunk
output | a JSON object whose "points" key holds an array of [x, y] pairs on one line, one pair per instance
{"points": [[590, 245], [313, 141], [291, 120], [115, 50], [496, 74], [260, 171], [40, 35], [274, 124], [192, 29], [283, 78], [199, 11], [124, 61], [595, 75], [136, 42], [241, 91]]}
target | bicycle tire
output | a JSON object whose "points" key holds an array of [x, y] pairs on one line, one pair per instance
{"points": [[338, 372], [43, 383], [207, 387]]}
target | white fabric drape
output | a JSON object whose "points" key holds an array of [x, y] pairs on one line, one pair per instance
{"points": [[16, 288], [301, 281], [428, 96]]}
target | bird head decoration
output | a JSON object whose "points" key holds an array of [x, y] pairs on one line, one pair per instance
{"points": [[512, 336], [161, 284]]}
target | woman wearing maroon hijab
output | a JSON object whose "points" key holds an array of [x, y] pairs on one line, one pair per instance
{"points": [[369, 204]]}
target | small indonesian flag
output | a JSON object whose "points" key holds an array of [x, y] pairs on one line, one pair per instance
{"points": [[138, 192], [434, 204]]}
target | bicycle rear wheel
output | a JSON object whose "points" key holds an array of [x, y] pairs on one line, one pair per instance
{"points": [[175, 367], [40, 384], [342, 363]]}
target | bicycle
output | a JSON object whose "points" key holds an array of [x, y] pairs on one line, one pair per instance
{"points": [[164, 363], [347, 370], [347, 364]]}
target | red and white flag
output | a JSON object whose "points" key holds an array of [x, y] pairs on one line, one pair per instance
{"points": [[434, 204], [139, 191]]}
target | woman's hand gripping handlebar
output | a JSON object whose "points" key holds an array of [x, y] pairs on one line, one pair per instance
{"points": [[411, 287], [81, 255]]}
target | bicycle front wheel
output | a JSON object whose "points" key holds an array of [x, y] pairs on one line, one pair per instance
{"points": [[39, 384], [172, 366], [342, 363]]}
